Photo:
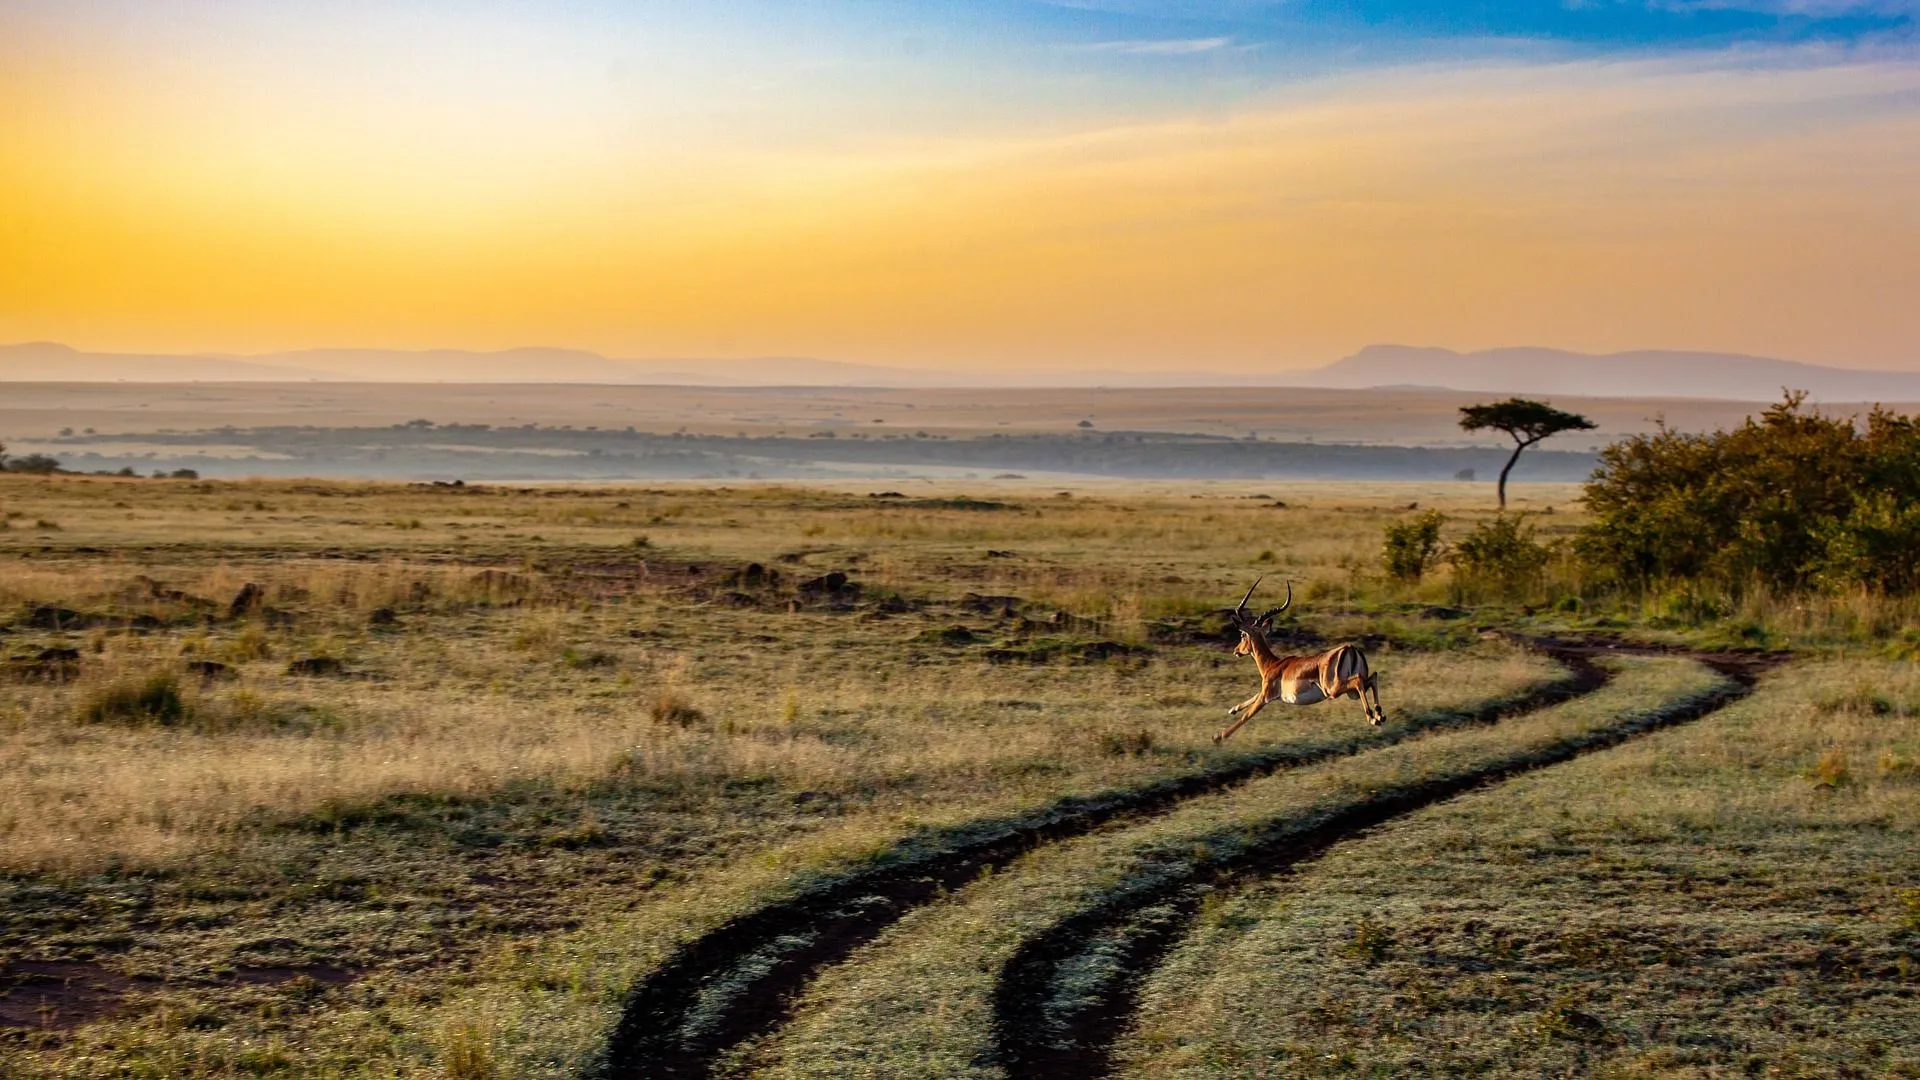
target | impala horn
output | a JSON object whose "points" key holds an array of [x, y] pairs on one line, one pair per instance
{"points": [[1239, 616], [1267, 619]]}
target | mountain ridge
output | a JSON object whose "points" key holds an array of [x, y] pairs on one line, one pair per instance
{"points": [[1663, 373], [1533, 370]]}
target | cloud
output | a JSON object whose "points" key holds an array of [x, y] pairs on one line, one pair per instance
{"points": [[1159, 47], [1817, 9], [1750, 198]]}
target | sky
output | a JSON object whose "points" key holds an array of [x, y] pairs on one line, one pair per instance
{"points": [[993, 185]]}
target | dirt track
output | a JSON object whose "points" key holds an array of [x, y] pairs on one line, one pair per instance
{"points": [[1080, 1046], [789, 943]]}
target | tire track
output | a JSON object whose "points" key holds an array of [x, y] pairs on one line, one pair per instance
{"points": [[1147, 921], [735, 983]]}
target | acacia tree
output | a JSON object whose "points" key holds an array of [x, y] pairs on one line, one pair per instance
{"points": [[1527, 421]]}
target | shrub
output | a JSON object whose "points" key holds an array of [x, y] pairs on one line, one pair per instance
{"points": [[1371, 942], [670, 708], [467, 1054], [39, 464], [1876, 546], [1412, 547], [1793, 499], [1501, 553], [150, 698]]}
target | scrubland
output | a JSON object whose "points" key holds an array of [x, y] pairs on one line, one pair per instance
{"points": [[316, 778]]}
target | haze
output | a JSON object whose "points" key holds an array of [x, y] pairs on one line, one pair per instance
{"points": [[983, 187]]}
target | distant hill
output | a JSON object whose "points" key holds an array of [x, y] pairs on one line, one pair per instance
{"points": [[1646, 373], [49, 362], [1723, 376], [45, 361]]}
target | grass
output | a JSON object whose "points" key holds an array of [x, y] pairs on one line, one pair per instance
{"points": [[1728, 898], [535, 734], [854, 1022], [547, 756]]}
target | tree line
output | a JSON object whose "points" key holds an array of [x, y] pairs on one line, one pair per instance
{"points": [[1791, 500]]}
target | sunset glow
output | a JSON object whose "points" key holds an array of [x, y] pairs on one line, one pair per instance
{"points": [[1094, 185]]}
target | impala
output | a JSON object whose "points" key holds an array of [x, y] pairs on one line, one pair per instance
{"points": [[1299, 680]]}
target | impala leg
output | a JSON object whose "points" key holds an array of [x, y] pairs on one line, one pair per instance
{"points": [[1376, 712], [1356, 687], [1247, 704], [1260, 702]]}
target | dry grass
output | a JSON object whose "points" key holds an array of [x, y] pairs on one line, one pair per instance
{"points": [[1721, 898], [855, 1022], [548, 754], [524, 694], [36, 411], [514, 671]]}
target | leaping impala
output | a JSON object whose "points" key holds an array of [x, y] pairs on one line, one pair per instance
{"points": [[1299, 680]]}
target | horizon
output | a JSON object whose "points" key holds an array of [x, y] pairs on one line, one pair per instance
{"points": [[1716, 376], [1116, 186], [271, 356]]}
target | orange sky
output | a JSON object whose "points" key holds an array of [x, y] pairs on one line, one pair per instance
{"points": [[491, 187]]}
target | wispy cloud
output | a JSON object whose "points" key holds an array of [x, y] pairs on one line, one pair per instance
{"points": [[1157, 47], [1891, 9]]}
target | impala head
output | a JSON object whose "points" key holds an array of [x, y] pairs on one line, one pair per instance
{"points": [[1250, 624]]}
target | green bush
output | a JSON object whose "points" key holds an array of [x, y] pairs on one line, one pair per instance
{"points": [[1876, 546], [1412, 547], [38, 464], [1501, 553], [1792, 499]]}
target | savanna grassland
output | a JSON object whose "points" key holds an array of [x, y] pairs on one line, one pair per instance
{"points": [[333, 779], [557, 432]]}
